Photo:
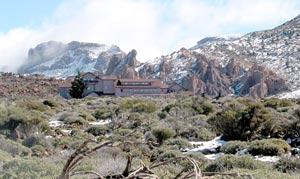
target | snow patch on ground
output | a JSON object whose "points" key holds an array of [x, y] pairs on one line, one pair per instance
{"points": [[290, 95], [56, 123], [272, 159], [101, 122], [208, 145]]}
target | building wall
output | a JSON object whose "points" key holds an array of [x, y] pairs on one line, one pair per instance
{"points": [[90, 88], [99, 86], [131, 91], [108, 87]]}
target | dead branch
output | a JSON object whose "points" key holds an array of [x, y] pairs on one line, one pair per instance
{"points": [[84, 151]]}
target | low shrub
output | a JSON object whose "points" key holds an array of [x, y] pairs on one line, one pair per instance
{"points": [[229, 162], [30, 168], [144, 107], [232, 147], [4, 156], [178, 143], [269, 147], [162, 134], [34, 140], [288, 165], [97, 130], [263, 174], [102, 114], [72, 120], [38, 150], [162, 115], [169, 154], [168, 108], [50, 103], [32, 105], [14, 148]]}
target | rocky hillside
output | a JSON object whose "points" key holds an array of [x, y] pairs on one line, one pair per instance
{"points": [[20, 86], [197, 72], [216, 65], [277, 49]]}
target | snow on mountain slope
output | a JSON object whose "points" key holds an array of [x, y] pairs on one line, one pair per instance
{"points": [[66, 59], [277, 49]]}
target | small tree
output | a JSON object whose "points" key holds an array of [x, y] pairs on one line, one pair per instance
{"points": [[78, 87]]}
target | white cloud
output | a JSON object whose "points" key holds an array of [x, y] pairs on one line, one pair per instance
{"points": [[152, 27]]}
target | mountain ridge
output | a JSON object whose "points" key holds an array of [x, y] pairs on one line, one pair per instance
{"points": [[209, 61]]}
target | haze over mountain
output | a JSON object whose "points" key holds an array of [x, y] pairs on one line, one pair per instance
{"points": [[228, 64]]}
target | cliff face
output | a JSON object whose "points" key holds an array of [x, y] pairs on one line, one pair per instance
{"points": [[208, 76]]}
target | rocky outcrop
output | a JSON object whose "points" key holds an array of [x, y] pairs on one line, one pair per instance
{"points": [[203, 75], [260, 82], [123, 65]]}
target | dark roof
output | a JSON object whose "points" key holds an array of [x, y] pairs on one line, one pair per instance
{"points": [[154, 83]]}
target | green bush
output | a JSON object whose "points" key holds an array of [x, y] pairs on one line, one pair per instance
{"points": [[162, 134], [288, 165], [162, 115], [232, 147], [229, 162], [50, 102], [97, 130], [34, 140], [241, 121], [32, 105], [38, 150], [169, 154], [14, 148], [201, 106], [168, 108], [205, 134], [264, 174], [72, 120], [102, 114], [87, 116], [32, 168], [278, 103], [269, 147], [144, 107], [4, 157], [178, 143]]}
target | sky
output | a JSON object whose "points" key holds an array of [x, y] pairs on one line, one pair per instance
{"points": [[152, 27]]}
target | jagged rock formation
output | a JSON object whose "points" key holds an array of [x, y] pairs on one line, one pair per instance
{"points": [[202, 75], [123, 65]]}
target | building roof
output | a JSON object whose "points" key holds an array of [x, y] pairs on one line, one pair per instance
{"points": [[154, 83], [122, 80], [108, 77], [176, 84]]}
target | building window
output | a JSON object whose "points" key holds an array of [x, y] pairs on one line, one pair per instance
{"points": [[121, 90]]}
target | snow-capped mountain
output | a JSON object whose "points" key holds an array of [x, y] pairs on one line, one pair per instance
{"points": [[61, 60]]}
